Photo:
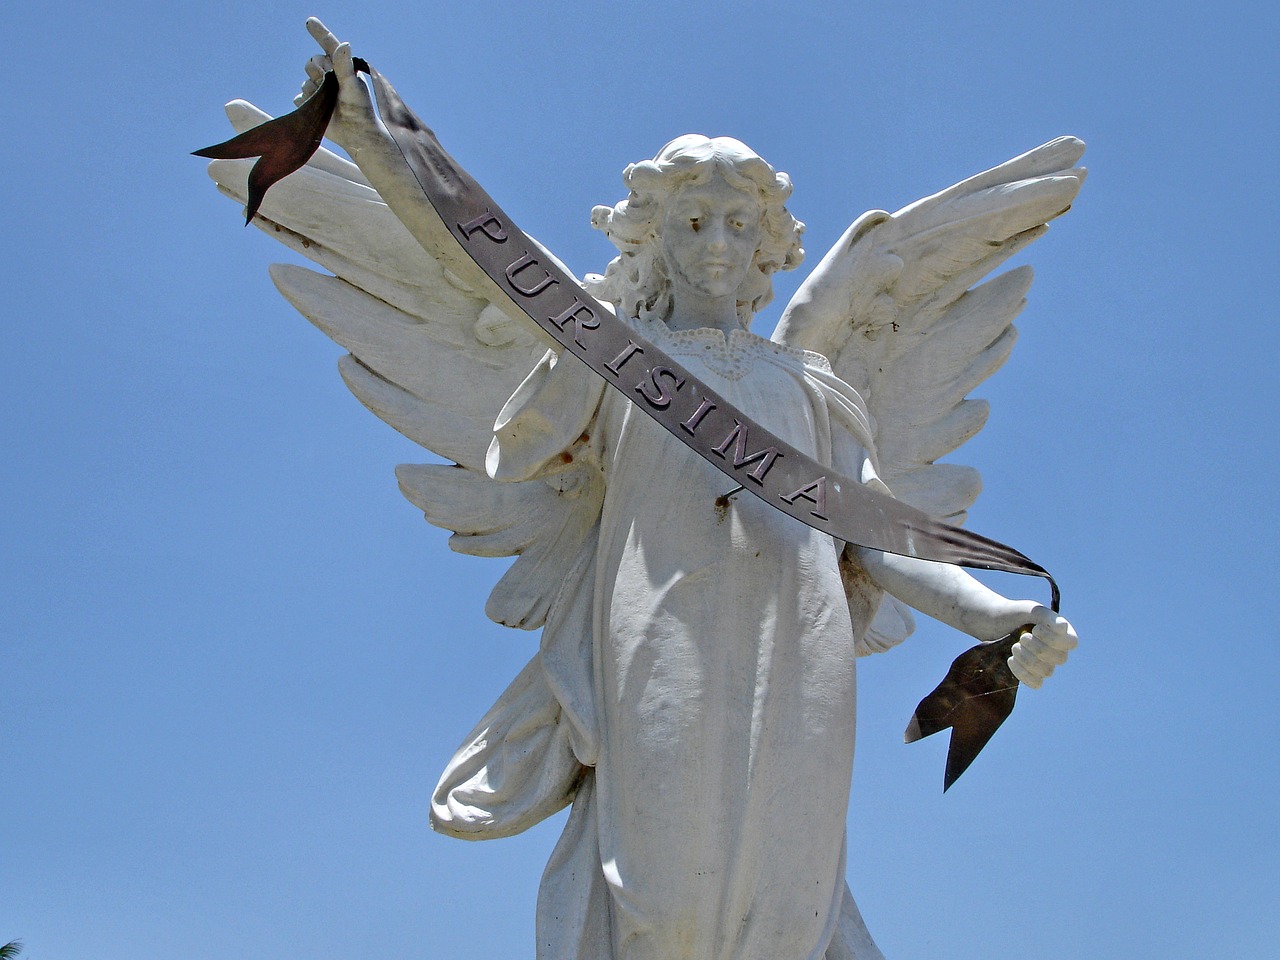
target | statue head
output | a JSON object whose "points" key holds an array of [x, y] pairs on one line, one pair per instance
{"points": [[638, 281]]}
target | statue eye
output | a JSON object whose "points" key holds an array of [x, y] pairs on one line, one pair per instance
{"points": [[695, 224]]}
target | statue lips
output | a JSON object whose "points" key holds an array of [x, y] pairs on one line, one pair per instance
{"points": [[973, 699]]}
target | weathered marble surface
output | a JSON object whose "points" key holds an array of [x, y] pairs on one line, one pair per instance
{"points": [[693, 694]]}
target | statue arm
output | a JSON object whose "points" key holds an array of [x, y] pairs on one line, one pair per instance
{"points": [[356, 127], [949, 594], [547, 422]]}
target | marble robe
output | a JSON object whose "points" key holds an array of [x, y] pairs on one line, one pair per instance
{"points": [[695, 688]]}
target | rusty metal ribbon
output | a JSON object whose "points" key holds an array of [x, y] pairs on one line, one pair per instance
{"points": [[726, 437]]}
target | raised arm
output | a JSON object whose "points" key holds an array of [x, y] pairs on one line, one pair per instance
{"points": [[947, 593], [356, 127]]}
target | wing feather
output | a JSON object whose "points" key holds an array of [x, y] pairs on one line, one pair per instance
{"points": [[925, 442], [944, 490], [455, 436], [467, 386], [900, 309], [544, 522], [433, 358], [895, 308]]}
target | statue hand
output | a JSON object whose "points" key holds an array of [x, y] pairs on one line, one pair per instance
{"points": [[1043, 647], [354, 121]]}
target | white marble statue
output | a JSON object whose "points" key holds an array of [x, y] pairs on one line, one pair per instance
{"points": [[693, 694]]}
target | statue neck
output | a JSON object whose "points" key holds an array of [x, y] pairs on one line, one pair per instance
{"points": [[690, 311]]}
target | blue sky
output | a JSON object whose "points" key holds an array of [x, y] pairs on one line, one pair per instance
{"points": [[235, 659]]}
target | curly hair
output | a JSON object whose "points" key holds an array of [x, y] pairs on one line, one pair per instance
{"points": [[636, 281]]}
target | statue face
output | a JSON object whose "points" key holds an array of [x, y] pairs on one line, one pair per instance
{"points": [[710, 234]]}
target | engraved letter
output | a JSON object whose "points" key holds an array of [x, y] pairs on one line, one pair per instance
{"points": [[738, 437], [815, 492], [488, 224], [528, 260], [663, 398], [614, 366], [704, 408], [574, 315]]}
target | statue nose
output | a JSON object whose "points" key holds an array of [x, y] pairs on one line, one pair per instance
{"points": [[716, 239]]}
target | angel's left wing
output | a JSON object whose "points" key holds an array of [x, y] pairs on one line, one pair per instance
{"points": [[899, 308], [432, 357]]}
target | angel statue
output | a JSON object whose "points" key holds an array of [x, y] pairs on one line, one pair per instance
{"points": [[692, 696]]}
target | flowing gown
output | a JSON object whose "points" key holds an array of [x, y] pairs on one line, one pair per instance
{"points": [[695, 687]]}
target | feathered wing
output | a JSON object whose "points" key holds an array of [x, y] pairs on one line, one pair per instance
{"points": [[434, 359], [900, 308]]}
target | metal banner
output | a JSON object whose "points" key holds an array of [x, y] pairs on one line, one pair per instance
{"points": [[726, 437]]}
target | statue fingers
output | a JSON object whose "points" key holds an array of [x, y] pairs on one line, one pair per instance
{"points": [[342, 63], [1032, 680], [353, 95], [317, 67], [1027, 662], [1056, 632], [1035, 645], [322, 35], [1053, 628]]}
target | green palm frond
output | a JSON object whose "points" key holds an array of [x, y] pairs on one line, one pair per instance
{"points": [[10, 950]]}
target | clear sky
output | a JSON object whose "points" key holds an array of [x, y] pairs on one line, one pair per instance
{"points": [[235, 660]]}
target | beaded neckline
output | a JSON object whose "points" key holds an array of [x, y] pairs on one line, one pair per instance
{"points": [[729, 356]]}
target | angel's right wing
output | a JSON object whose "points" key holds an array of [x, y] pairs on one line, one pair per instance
{"points": [[432, 357]]}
